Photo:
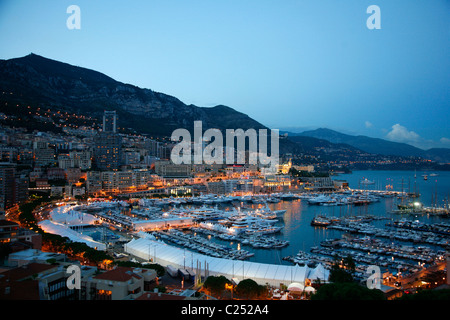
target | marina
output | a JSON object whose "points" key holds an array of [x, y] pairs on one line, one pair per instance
{"points": [[305, 229], [365, 251], [205, 152], [200, 244]]}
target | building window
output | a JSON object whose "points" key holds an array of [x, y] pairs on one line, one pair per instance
{"points": [[103, 294]]}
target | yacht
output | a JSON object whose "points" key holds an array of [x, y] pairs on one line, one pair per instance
{"points": [[205, 213], [433, 174], [367, 182], [258, 200], [268, 213], [247, 220], [262, 229], [320, 221], [321, 199], [273, 200], [288, 196]]}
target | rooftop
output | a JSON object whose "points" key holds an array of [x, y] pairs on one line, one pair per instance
{"points": [[4, 223], [19, 290], [24, 271], [121, 274]]}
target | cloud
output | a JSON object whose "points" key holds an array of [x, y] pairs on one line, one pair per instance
{"points": [[401, 134], [368, 124], [445, 141]]}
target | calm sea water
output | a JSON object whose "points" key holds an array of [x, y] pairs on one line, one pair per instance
{"points": [[303, 236]]}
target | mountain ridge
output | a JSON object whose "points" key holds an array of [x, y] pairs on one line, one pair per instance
{"points": [[48, 81], [41, 81], [377, 145]]}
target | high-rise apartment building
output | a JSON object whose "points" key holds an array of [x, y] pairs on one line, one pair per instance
{"points": [[43, 154], [13, 187], [108, 144], [109, 121]]}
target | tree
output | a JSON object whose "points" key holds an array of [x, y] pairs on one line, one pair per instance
{"points": [[339, 275], [349, 263], [249, 289], [441, 294], [347, 291], [216, 284], [160, 271]]}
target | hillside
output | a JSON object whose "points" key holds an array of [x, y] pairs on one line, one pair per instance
{"points": [[44, 82], [40, 82], [377, 145]]}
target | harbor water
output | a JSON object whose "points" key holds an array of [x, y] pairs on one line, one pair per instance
{"points": [[388, 218], [302, 236]]}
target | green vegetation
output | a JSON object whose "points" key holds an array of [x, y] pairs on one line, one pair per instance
{"points": [[347, 291], [343, 287], [57, 243], [442, 294], [338, 275], [349, 263], [344, 274], [160, 271], [26, 217], [249, 289], [216, 285], [246, 289]]}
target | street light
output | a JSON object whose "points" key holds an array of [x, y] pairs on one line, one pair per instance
{"points": [[229, 287]]}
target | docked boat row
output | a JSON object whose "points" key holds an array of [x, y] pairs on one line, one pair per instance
{"points": [[345, 198], [253, 226], [115, 218], [393, 251], [307, 259], [211, 199], [235, 216], [199, 244], [426, 237], [321, 220], [101, 205], [418, 208], [362, 259], [367, 251], [264, 242], [338, 198], [438, 228], [255, 240]]}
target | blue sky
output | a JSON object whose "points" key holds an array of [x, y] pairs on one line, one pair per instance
{"points": [[288, 64]]}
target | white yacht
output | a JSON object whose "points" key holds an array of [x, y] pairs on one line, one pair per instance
{"points": [[205, 213], [367, 182], [433, 174], [321, 199], [268, 213]]}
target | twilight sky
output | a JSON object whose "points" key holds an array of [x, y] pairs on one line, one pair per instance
{"points": [[298, 64]]}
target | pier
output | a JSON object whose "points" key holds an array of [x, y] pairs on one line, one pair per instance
{"points": [[382, 192]]}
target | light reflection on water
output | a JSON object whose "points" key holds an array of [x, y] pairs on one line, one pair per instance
{"points": [[297, 218]]}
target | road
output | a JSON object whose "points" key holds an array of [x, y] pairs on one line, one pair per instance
{"points": [[411, 282]]}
